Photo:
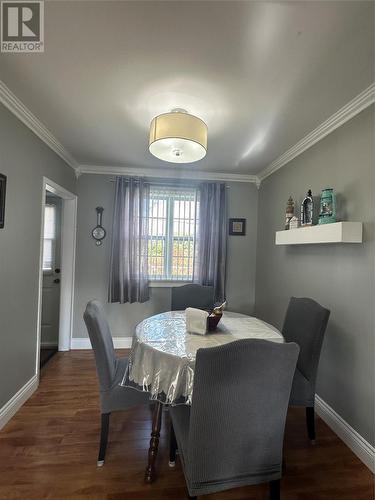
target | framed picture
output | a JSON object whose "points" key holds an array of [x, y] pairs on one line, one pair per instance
{"points": [[237, 227], [3, 184]]}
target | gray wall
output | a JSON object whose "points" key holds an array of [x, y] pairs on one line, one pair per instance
{"points": [[25, 160], [340, 277], [92, 264]]}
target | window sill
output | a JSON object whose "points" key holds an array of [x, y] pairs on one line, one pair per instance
{"points": [[167, 284]]}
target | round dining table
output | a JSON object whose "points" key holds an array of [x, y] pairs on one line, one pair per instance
{"points": [[162, 360]]}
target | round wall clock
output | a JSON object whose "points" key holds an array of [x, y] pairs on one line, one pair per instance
{"points": [[98, 233]]}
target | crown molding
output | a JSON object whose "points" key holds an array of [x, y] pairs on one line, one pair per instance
{"points": [[344, 114], [166, 173], [17, 107], [351, 109]]}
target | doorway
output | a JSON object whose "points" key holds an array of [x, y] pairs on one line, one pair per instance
{"points": [[49, 340], [56, 272]]}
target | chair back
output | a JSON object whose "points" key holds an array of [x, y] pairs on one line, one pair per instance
{"points": [[102, 343], [192, 295], [305, 323], [240, 400]]}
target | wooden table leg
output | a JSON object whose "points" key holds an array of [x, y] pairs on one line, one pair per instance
{"points": [[154, 443]]}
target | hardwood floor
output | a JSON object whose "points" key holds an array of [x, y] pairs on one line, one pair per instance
{"points": [[46, 355], [49, 450]]}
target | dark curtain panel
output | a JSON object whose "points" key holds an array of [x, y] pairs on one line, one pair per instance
{"points": [[128, 279], [211, 245]]}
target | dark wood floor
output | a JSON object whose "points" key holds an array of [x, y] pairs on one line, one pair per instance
{"points": [[46, 354], [49, 450]]}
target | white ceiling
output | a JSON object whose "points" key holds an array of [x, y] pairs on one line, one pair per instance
{"points": [[262, 75]]}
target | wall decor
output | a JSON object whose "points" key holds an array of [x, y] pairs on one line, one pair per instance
{"points": [[294, 223], [327, 213], [3, 185], [307, 208], [98, 233], [289, 212], [237, 227]]}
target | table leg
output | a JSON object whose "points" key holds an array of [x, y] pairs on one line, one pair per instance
{"points": [[154, 443]]}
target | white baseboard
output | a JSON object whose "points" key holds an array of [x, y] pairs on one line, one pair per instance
{"points": [[84, 343], [15, 403], [364, 450]]}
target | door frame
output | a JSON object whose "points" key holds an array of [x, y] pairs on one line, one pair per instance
{"points": [[68, 254]]}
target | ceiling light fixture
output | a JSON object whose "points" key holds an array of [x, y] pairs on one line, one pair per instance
{"points": [[178, 137]]}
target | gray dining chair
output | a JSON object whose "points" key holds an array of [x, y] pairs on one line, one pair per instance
{"points": [[232, 435], [110, 370], [305, 324], [192, 295]]}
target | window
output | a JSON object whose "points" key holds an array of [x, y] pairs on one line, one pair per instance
{"points": [[49, 241], [171, 233]]}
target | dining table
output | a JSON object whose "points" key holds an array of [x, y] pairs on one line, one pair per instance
{"points": [[162, 360]]}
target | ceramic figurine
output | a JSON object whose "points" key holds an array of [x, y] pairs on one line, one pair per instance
{"points": [[307, 208], [294, 223], [327, 206], [289, 212]]}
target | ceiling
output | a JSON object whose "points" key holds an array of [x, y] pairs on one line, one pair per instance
{"points": [[262, 75]]}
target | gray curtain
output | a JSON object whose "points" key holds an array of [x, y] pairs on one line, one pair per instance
{"points": [[128, 280], [211, 246]]}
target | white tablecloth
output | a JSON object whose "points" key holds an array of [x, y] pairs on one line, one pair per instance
{"points": [[163, 353]]}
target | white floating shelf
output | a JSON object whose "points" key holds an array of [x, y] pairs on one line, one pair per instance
{"points": [[337, 232]]}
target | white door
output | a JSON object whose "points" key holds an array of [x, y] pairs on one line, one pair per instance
{"points": [[51, 272]]}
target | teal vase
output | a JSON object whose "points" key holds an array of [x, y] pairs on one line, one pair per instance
{"points": [[327, 213]]}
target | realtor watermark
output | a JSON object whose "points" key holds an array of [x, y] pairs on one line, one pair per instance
{"points": [[22, 26]]}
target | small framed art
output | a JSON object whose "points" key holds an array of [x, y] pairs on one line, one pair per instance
{"points": [[237, 227], [3, 184]]}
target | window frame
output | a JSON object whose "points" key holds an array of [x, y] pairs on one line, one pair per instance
{"points": [[50, 271], [169, 238]]}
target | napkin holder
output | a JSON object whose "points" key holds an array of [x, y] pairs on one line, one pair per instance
{"points": [[196, 320], [201, 321]]}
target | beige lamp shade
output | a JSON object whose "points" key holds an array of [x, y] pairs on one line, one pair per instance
{"points": [[178, 137]]}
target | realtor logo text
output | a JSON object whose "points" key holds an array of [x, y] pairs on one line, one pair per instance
{"points": [[22, 26]]}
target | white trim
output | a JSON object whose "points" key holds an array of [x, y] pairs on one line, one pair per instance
{"points": [[15, 403], [351, 109], [34, 124], [166, 173], [84, 343], [364, 450], [68, 256], [40, 281], [336, 232], [60, 191], [68, 239]]}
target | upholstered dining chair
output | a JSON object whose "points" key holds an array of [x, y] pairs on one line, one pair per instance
{"points": [[305, 324], [192, 295], [110, 370], [232, 435]]}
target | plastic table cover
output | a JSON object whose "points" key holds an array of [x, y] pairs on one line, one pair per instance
{"points": [[162, 356]]}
